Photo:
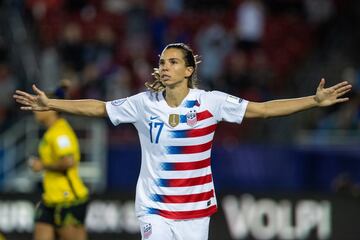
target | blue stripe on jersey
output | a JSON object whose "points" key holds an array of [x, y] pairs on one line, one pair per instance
{"points": [[191, 103], [167, 166], [153, 211], [162, 182], [157, 198], [174, 150], [178, 134]]}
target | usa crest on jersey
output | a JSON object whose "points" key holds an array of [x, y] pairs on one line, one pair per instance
{"points": [[191, 118]]}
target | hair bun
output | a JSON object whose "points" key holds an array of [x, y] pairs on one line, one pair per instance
{"points": [[61, 91]]}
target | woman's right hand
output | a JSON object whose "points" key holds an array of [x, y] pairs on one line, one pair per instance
{"points": [[37, 102], [35, 164]]}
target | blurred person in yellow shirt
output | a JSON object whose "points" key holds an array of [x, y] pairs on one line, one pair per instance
{"points": [[62, 210]]}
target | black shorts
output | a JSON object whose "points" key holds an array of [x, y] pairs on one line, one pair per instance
{"points": [[61, 215]]}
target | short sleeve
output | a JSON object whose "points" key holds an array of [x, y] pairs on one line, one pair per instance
{"points": [[124, 110], [226, 107]]}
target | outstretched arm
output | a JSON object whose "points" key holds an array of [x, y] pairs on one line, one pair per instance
{"points": [[324, 97], [40, 102]]}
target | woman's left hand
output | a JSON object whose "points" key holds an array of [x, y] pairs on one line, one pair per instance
{"points": [[329, 96]]}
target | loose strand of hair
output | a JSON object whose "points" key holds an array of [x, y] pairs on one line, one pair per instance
{"points": [[156, 85]]}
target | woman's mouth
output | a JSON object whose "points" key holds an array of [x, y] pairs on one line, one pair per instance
{"points": [[165, 77]]}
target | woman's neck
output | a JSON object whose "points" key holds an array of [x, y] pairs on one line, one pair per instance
{"points": [[175, 96], [50, 121]]}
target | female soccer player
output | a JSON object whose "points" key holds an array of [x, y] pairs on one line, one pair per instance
{"points": [[176, 123], [63, 206]]}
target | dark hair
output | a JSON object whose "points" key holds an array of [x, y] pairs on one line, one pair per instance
{"points": [[61, 92], [190, 59], [187, 51]]}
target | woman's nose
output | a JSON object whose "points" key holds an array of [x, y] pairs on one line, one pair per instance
{"points": [[164, 67]]}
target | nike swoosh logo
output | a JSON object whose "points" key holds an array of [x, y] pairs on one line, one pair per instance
{"points": [[153, 118]]}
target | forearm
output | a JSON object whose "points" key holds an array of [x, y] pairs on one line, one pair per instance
{"points": [[86, 107], [55, 168], [62, 165], [288, 106]]}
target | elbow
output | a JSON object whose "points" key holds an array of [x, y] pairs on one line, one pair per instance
{"points": [[258, 110], [268, 111], [97, 109]]}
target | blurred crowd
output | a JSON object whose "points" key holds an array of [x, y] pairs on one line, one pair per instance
{"points": [[250, 48]]}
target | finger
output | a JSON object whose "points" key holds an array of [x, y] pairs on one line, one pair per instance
{"points": [[339, 85], [24, 94], [23, 102], [26, 108], [37, 90], [340, 100], [343, 93], [322, 83], [21, 98], [343, 89], [17, 97]]}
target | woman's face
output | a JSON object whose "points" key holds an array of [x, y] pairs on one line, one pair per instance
{"points": [[172, 68], [43, 117]]}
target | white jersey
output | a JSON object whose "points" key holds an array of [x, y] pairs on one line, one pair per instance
{"points": [[175, 179]]}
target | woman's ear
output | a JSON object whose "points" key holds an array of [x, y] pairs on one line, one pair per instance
{"points": [[189, 71]]}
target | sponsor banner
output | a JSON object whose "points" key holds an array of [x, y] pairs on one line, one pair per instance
{"points": [[240, 217], [287, 216], [109, 217]]}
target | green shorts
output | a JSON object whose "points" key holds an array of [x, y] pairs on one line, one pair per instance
{"points": [[61, 215]]}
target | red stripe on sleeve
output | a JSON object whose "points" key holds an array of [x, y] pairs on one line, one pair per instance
{"points": [[203, 115]]}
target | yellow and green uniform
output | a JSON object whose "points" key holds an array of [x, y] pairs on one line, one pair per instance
{"points": [[2, 237], [61, 188]]}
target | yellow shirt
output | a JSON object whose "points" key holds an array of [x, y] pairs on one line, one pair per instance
{"points": [[61, 188]]}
